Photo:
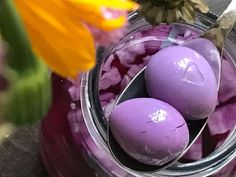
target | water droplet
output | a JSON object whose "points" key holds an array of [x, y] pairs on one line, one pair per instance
{"points": [[193, 75]]}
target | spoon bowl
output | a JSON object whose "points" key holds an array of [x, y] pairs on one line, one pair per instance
{"points": [[136, 89]]}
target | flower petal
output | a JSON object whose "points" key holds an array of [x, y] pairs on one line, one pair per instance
{"points": [[112, 4], [95, 13], [64, 44], [200, 5]]}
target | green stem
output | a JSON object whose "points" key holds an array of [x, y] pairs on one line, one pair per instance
{"points": [[20, 55]]}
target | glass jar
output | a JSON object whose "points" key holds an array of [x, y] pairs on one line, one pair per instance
{"points": [[74, 132]]}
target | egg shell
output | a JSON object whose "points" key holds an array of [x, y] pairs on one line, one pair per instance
{"points": [[183, 78], [149, 130]]}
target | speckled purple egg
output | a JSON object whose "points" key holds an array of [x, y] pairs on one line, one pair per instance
{"points": [[183, 78], [149, 130]]}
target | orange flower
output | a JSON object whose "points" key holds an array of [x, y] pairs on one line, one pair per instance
{"points": [[58, 33]]}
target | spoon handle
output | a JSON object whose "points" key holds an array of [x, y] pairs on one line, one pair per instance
{"points": [[219, 32], [228, 18]]}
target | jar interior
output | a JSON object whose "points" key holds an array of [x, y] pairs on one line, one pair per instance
{"points": [[117, 65]]}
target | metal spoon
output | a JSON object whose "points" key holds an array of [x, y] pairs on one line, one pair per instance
{"points": [[136, 89]]}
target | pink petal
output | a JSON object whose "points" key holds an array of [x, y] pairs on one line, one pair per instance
{"points": [[187, 34], [160, 31], [131, 50], [106, 97], [103, 103], [128, 55], [126, 58], [146, 59], [110, 78], [136, 46], [223, 119], [180, 38], [133, 71], [228, 82], [107, 66], [152, 46], [109, 107], [125, 81], [195, 152]]}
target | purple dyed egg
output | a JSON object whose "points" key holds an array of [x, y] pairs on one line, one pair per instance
{"points": [[149, 130], [209, 51], [183, 78]]}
